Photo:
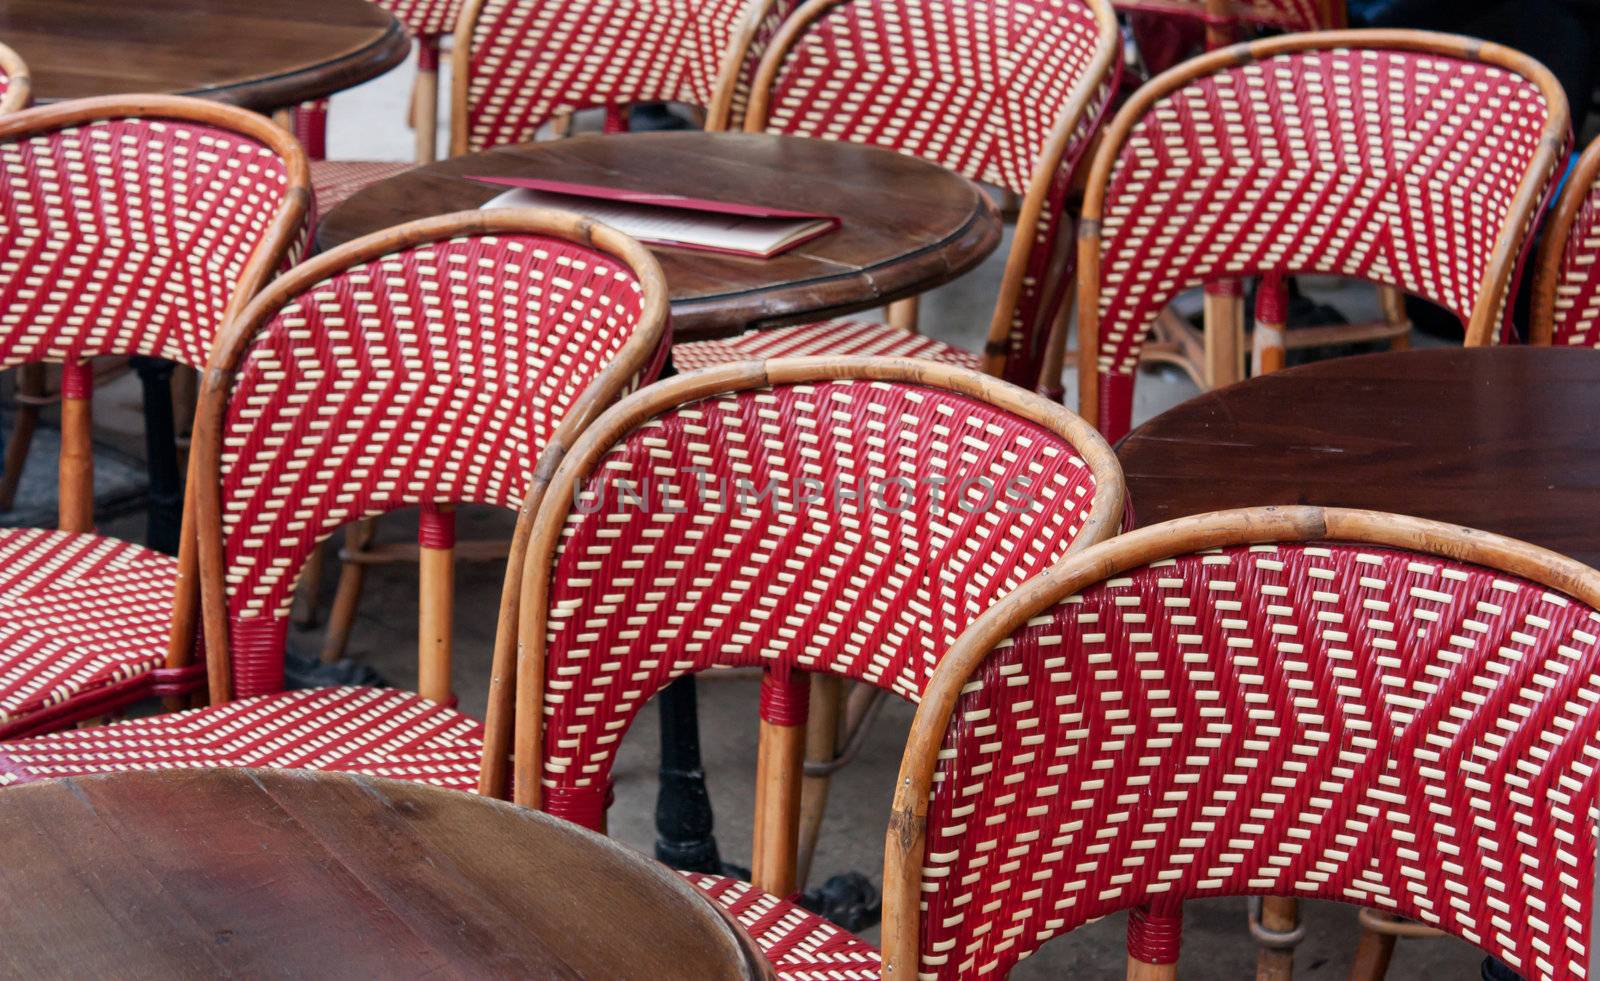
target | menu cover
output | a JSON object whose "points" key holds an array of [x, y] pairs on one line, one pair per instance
{"points": [[670, 219]]}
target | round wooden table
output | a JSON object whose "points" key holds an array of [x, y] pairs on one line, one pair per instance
{"points": [[204, 873], [908, 225], [259, 54], [1503, 439]]}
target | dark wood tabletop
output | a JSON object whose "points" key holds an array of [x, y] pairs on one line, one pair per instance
{"points": [[1503, 439], [259, 54], [908, 225], [255, 873]]}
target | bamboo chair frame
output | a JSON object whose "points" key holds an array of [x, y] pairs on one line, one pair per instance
{"points": [[905, 842], [1483, 324], [642, 350], [77, 457], [781, 747], [1546, 277]]}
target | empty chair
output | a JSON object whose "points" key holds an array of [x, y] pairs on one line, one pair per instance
{"points": [[842, 518], [518, 65], [1005, 94], [128, 226], [1402, 158], [1566, 289], [423, 366]]}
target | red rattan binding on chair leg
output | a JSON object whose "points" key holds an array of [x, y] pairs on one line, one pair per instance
{"points": [[128, 225], [427, 364], [1004, 94], [1403, 158], [804, 516], [1282, 701], [1566, 291]]}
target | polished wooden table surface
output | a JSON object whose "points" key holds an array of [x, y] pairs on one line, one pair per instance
{"points": [[1500, 439], [260, 54], [908, 224], [255, 873]]}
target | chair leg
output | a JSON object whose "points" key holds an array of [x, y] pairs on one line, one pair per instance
{"points": [[1393, 304], [436, 538], [75, 507], [822, 745], [1279, 922], [1153, 939], [1224, 318], [352, 576], [1373, 951], [780, 761], [30, 394], [425, 99], [1272, 311], [903, 314]]}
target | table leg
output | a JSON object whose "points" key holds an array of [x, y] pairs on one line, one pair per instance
{"points": [[684, 820], [165, 515]]}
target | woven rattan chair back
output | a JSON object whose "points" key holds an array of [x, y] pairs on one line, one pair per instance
{"points": [[517, 65], [16, 88], [134, 225], [1402, 158], [1288, 701], [1005, 94], [838, 516], [426, 365], [1566, 290]]}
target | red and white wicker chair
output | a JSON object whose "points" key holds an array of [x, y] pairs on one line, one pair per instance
{"points": [[1002, 93], [820, 518], [16, 89], [426, 365], [128, 225], [428, 21], [517, 65], [1278, 702], [1402, 158], [1566, 290]]}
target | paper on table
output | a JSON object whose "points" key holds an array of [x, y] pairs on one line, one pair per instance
{"points": [[744, 235]]}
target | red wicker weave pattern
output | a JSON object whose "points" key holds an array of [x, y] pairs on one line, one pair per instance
{"points": [[80, 615], [374, 731], [332, 181], [800, 945], [975, 87], [435, 374], [1392, 166], [424, 18], [1344, 722], [1576, 318], [128, 237], [851, 338], [531, 61], [871, 582]]}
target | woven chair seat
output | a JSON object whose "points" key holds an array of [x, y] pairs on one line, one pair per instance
{"points": [[376, 732], [801, 946], [334, 180], [83, 619], [840, 338]]}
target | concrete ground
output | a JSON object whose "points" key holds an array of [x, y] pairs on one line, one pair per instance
{"points": [[368, 122]]}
